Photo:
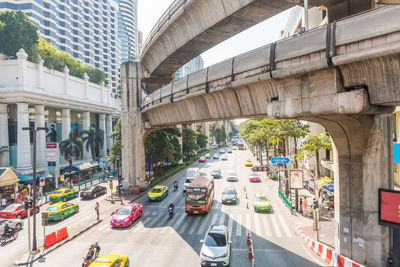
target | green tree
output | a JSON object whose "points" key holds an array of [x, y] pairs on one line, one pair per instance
{"points": [[94, 140], [201, 139], [16, 32], [220, 135], [72, 147], [189, 141], [163, 144], [311, 147], [115, 152]]}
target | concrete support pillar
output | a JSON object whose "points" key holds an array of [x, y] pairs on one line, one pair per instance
{"points": [[66, 123], [40, 136], [133, 125], [205, 129], [85, 126], [102, 126], [180, 141], [23, 139], [193, 126], [4, 145], [109, 131], [363, 163]]}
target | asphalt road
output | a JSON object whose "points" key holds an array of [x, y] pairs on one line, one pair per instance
{"points": [[154, 240]]}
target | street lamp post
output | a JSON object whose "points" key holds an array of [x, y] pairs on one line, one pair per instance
{"points": [[70, 170], [119, 178], [34, 243]]}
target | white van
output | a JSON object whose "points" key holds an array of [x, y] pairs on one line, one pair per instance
{"points": [[190, 174]]}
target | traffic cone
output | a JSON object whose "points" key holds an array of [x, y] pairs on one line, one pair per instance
{"points": [[247, 196], [251, 253], [247, 205], [248, 239], [244, 188]]}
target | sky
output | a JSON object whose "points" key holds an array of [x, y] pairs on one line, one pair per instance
{"points": [[149, 11]]}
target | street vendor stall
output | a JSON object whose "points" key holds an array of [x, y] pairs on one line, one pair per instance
{"points": [[8, 184]]}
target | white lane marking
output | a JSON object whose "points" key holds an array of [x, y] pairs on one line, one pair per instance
{"points": [[222, 219], [144, 226], [186, 224], [230, 224], [267, 227], [284, 226], [179, 221], [167, 226], [149, 224], [238, 224], [248, 222], [257, 224], [276, 227], [104, 226], [193, 227], [203, 224]]}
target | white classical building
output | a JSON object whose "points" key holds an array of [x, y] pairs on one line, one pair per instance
{"points": [[33, 95]]}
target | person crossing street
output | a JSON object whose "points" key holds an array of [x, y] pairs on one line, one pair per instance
{"points": [[97, 210]]}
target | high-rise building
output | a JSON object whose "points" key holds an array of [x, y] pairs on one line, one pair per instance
{"points": [[128, 29], [87, 30], [192, 66]]}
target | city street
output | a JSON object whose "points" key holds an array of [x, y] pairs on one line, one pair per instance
{"points": [[155, 240]]}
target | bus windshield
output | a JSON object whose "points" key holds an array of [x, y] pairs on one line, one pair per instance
{"points": [[196, 198]]}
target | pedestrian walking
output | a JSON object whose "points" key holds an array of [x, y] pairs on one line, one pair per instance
{"points": [[301, 206], [97, 210], [305, 206]]}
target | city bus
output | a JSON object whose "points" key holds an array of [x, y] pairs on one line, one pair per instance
{"points": [[240, 146], [199, 195]]}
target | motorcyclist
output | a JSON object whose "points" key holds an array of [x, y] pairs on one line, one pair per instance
{"points": [[97, 248], [175, 185], [7, 230], [89, 256], [172, 206]]}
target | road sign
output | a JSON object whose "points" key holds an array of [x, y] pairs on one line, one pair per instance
{"points": [[280, 160], [111, 185], [62, 178], [41, 181]]}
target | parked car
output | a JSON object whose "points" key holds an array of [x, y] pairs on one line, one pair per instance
{"points": [[16, 210], [260, 168], [232, 176], [216, 249], [93, 192], [16, 224], [229, 196], [126, 214], [222, 151], [202, 159], [208, 155], [216, 173], [214, 146], [254, 177], [224, 157], [215, 156]]}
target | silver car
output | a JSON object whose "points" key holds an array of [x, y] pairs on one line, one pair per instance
{"points": [[224, 157], [216, 249], [16, 224], [232, 176]]}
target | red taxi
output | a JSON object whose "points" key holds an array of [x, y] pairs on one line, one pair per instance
{"points": [[16, 210], [254, 177]]}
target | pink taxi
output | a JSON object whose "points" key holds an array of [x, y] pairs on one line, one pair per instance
{"points": [[254, 177], [126, 215]]}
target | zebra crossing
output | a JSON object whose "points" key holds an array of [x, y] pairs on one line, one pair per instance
{"points": [[239, 224]]}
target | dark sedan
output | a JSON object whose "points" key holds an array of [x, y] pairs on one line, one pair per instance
{"points": [[93, 191]]}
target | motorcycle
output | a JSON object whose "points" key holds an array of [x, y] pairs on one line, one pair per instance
{"points": [[175, 187], [7, 237], [170, 213], [87, 261]]}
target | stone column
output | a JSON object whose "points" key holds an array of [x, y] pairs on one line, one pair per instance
{"points": [[85, 126], [205, 129], [4, 156], [40, 136], [23, 138], [102, 126], [180, 142], [363, 163], [22, 66], [109, 130], [133, 128]]}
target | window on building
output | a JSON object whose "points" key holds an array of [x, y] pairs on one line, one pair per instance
{"points": [[76, 47], [97, 65], [47, 23], [86, 24], [46, 32], [75, 24], [75, 39], [86, 39], [75, 55], [86, 32], [96, 58], [75, 32], [62, 48], [87, 60], [46, 14], [87, 46], [62, 32], [62, 40], [62, 23], [97, 52]]}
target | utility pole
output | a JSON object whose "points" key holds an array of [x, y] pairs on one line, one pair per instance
{"points": [[34, 243]]}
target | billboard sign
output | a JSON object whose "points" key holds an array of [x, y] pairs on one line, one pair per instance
{"points": [[296, 179], [389, 207]]}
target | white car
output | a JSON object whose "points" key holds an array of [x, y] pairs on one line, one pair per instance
{"points": [[232, 176], [216, 249], [16, 224], [215, 156], [222, 151], [224, 157], [208, 156]]}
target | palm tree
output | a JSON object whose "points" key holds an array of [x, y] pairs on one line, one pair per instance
{"points": [[94, 140], [72, 147]]}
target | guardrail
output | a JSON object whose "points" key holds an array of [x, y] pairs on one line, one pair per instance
{"points": [[285, 200]]}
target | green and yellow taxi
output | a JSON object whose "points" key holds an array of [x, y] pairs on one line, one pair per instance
{"points": [[261, 202], [63, 194], [158, 193], [58, 211], [111, 260], [248, 163]]}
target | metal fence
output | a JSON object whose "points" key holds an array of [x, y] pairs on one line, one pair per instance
{"points": [[285, 200]]}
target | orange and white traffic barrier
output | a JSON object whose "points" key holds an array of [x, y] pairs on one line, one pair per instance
{"points": [[248, 239], [251, 256]]}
